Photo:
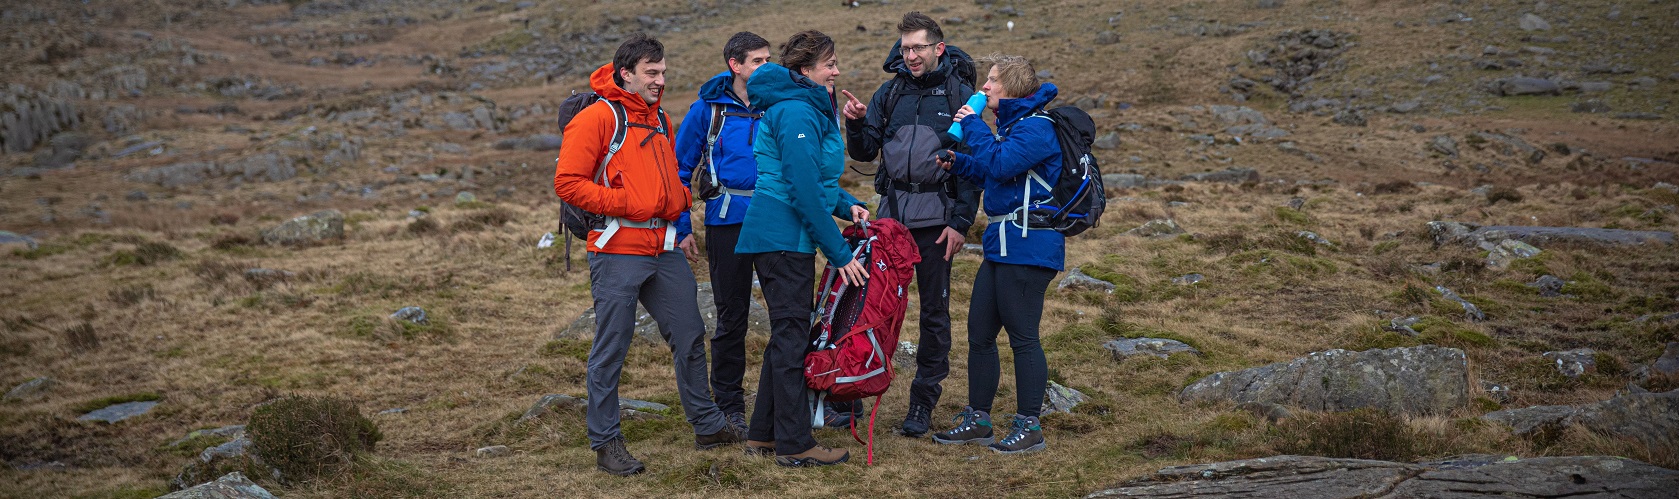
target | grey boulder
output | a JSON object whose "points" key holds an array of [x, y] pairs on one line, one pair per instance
{"points": [[1125, 348], [231, 486], [306, 230], [1472, 477], [1420, 380]]}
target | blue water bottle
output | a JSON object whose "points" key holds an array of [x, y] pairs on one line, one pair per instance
{"points": [[977, 102]]}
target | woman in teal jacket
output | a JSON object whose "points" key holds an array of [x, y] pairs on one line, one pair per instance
{"points": [[800, 150]]}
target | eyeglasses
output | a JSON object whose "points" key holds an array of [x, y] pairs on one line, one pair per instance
{"points": [[906, 49]]}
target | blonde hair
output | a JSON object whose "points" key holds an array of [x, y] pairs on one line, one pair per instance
{"points": [[1015, 73]]}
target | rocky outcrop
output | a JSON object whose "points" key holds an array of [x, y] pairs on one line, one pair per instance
{"points": [[1650, 418], [1419, 380], [1476, 235], [28, 118], [1125, 348], [1470, 477], [232, 486], [307, 230]]}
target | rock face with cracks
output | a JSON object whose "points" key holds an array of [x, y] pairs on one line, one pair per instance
{"points": [[1419, 380], [1476, 476]]}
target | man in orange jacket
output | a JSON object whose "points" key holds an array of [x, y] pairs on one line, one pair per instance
{"points": [[633, 255]]}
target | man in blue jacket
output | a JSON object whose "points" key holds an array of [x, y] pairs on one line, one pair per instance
{"points": [[904, 124], [715, 142]]}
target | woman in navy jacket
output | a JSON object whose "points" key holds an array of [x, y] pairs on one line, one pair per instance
{"points": [[1017, 169]]}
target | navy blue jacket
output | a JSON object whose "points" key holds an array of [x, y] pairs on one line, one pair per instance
{"points": [[1000, 165]]}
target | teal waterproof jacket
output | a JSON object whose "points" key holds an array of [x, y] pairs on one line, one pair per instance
{"points": [[800, 149]]}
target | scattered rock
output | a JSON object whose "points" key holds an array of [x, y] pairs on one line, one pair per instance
{"points": [[1314, 238], [1232, 175], [973, 249], [1573, 363], [14, 239], [1188, 279], [32, 389], [647, 330], [538, 142], [1125, 348], [1156, 228], [1077, 280], [1590, 106], [493, 451], [1403, 325], [904, 357], [1638, 116], [552, 403], [1549, 286], [1500, 256], [1526, 86], [1668, 363], [415, 315], [1406, 107], [1480, 476], [231, 486], [1109, 140], [1470, 311], [1107, 38], [1530, 22], [306, 230], [1061, 399], [1426, 379], [1474, 235], [28, 118], [1444, 144], [232, 432], [464, 198], [1123, 180], [237, 455], [1596, 87], [1350, 117], [642, 405], [119, 412]]}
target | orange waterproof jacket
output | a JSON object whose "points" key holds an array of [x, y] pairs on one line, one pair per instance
{"points": [[641, 182]]}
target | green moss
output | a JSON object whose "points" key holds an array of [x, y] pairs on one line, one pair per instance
{"points": [[97, 404], [575, 348], [1292, 216], [1443, 332], [1588, 288], [1127, 289]]}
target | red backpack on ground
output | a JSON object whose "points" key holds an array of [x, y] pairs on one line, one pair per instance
{"points": [[857, 328]]}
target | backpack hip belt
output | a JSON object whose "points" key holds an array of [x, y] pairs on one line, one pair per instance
{"points": [[615, 223], [915, 187], [1019, 216], [726, 193]]}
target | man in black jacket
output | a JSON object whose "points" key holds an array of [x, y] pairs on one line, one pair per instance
{"points": [[905, 124]]}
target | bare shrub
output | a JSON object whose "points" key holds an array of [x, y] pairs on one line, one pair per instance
{"points": [[81, 337], [308, 437]]}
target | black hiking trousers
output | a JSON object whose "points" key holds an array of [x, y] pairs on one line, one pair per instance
{"points": [[782, 412], [731, 288], [932, 354]]}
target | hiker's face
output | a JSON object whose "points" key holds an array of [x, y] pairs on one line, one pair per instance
{"points": [[754, 58], [825, 72], [993, 90], [647, 79], [919, 56]]}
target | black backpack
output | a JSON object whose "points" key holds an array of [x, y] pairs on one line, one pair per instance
{"points": [[1078, 197], [573, 219]]}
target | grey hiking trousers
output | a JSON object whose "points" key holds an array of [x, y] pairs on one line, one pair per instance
{"points": [[665, 285]]}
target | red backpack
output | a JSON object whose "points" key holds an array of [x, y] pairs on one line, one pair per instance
{"points": [[857, 330]]}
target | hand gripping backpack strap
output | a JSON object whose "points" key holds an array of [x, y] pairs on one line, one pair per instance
{"points": [[621, 124]]}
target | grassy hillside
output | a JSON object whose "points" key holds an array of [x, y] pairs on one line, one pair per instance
{"points": [[138, 287]]}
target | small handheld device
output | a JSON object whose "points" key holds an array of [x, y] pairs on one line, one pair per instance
{"points": [[947, 156], [977, 102]]}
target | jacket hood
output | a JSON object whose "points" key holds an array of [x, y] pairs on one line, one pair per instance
{"points": [[719, 88], [773, 83], [1010, 111], [602, 83], [895, 62]]}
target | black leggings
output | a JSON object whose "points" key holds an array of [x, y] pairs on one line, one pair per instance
{"points": [[1007, 296]]}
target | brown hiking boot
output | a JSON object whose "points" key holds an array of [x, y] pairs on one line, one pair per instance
{"points": [[615, 459], [730, 434], [759, 448], [816, 456]]}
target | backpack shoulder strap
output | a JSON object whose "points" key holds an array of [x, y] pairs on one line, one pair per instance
{"points": [[617, 142], [892, 97], [715, 129]]}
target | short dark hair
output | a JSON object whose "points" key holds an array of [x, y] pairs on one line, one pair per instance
{"points": [[916, 21], [633, 51], [740, 44], [806, 49]]}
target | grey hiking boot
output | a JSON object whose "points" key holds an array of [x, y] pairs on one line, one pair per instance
{"points": [[915, 423], [974, 428], [730, 434], [738, 420], [1025, 435], [615, 459]]}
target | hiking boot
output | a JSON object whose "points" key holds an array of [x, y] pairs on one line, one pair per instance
{"points": [[615, 459], [915, 423], [738, 420], [816, 456], [974, 428], [840, 415], [1025, 435], [760, 449], [730, 434]]}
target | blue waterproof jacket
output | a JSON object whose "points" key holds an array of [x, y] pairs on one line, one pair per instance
{"points": [[800, 150], [1001, 164], [731, 156]]}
